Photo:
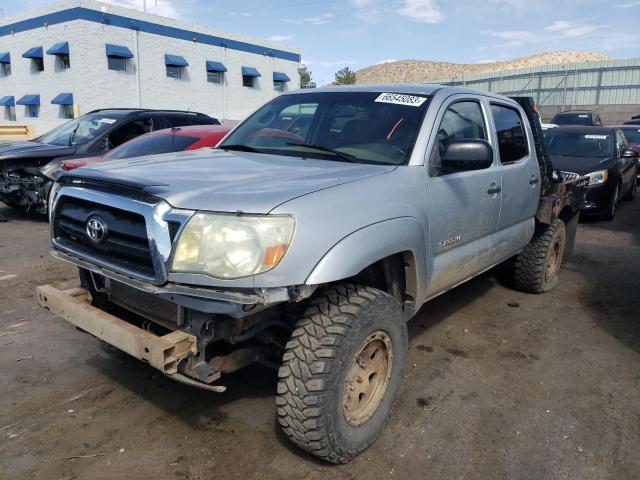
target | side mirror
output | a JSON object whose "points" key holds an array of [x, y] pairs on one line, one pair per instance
{"points": [[629, 153], [467, 154]]}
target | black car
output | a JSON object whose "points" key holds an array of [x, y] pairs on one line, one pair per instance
{"points": [[577, 117], [29, 168], [604, 156]]}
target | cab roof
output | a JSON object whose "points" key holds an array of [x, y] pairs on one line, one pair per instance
{"points": [[405, 88]]}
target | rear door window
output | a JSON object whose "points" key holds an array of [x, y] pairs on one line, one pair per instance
{"points": [[512, 139]]}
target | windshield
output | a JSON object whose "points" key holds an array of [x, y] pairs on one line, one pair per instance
{"points": [[363, 127], [576, 144], [632, 134], [152, 144], [572, 119], [79, 131]]}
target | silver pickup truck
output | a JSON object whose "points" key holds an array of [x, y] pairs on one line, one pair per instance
{"points": [[308, 239]]}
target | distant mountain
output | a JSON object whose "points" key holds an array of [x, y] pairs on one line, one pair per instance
{"points": [[413, 71]]}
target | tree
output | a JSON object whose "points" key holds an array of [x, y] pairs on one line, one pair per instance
{"points": [[305, 77], [346, 76]]}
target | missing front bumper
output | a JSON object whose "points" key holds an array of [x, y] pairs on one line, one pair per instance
{"points": [[161, 352]]}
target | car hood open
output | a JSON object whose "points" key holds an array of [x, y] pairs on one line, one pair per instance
{"points": [[17, 150], [225, 181], [580, 165]]}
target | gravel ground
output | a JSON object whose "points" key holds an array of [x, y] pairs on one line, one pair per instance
{"points": [[499, 385]]}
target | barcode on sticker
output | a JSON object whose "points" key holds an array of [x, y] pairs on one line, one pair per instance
{"points": [[401, 99], [596, 137]]}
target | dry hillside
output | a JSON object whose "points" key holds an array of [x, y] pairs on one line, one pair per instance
{"points": [[410, 71]]}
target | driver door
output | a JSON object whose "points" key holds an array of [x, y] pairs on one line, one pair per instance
{"points": [[464, 206]]}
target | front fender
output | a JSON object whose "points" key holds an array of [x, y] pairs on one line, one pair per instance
{"points": [[366, 246]]}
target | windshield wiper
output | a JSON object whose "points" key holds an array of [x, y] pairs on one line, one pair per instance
{"points": [[73, 134], [345, 157], [240, 148]]}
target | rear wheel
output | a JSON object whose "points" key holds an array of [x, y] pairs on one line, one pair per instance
{"points": [[341, 372], [538, 264]]}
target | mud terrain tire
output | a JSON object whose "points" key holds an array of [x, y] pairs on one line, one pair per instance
{"points": [[315, 391], [537, 265]]}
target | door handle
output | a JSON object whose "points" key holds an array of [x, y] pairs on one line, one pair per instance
{"points": [[493, 189], [533, 181]]}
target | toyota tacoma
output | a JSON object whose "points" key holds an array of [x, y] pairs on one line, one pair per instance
{"points": [[308, 239]]}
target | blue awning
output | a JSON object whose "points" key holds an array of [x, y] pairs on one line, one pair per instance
{"points": [[29, 100], [280, 77], [63, 99], [5, 57], [175, 61], [35, 52], [215, 67], [59, 49], [117, 51], [250, 72], [7, 101]]}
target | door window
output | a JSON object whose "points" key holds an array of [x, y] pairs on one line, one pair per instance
{"points": [[462, 120], [512, 139], [127, 132], [621, 144]]}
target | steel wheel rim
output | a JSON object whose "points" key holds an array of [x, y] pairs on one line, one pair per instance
{"points": [[368, 378], [552, 260]]}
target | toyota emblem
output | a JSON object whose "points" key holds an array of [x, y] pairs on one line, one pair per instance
{"points": [[96, 229]]}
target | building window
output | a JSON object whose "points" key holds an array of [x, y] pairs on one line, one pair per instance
{"points": [[247, 81], [65, 63], [214, 77], [278, 86], [38, 64], [116, 63], [6, 69], [66, 111], [32, 111], [174, 71], [10, 113]]}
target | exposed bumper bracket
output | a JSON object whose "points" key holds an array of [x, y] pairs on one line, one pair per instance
{"points": [[163, 353]]}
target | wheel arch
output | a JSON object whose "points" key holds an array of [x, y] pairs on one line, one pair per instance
{"points": [[388, 255]]}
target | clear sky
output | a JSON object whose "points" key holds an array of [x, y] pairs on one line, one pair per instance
{"points": [[358, 33]]}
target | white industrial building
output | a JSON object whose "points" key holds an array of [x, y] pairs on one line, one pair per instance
{"points": [[76, 56]]}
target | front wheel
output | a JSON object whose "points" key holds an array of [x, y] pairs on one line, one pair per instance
{"points": [[612, 207], [341, 371], [538, 264], [631, 193]]}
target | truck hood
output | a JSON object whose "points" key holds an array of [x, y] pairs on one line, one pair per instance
{"points": [[226, 181], [17, 150], [580, 165]]}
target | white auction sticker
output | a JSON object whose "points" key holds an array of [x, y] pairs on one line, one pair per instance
{"points": [[107, 120], [583, 116], [597, 137], [401, 99]]}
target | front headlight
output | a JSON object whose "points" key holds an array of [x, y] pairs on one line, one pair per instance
{"points": [[598, 178], [232, 246]]}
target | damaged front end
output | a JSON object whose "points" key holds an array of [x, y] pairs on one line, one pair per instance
{"points": [[190, 338], [27, 172]]}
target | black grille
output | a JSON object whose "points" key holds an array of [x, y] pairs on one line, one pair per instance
{"points": [[125, 244]]}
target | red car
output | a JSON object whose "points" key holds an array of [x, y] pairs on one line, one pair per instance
{"points": [[175, 139]]}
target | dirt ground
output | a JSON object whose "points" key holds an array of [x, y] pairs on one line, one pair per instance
{"points": [[499, 385]]}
